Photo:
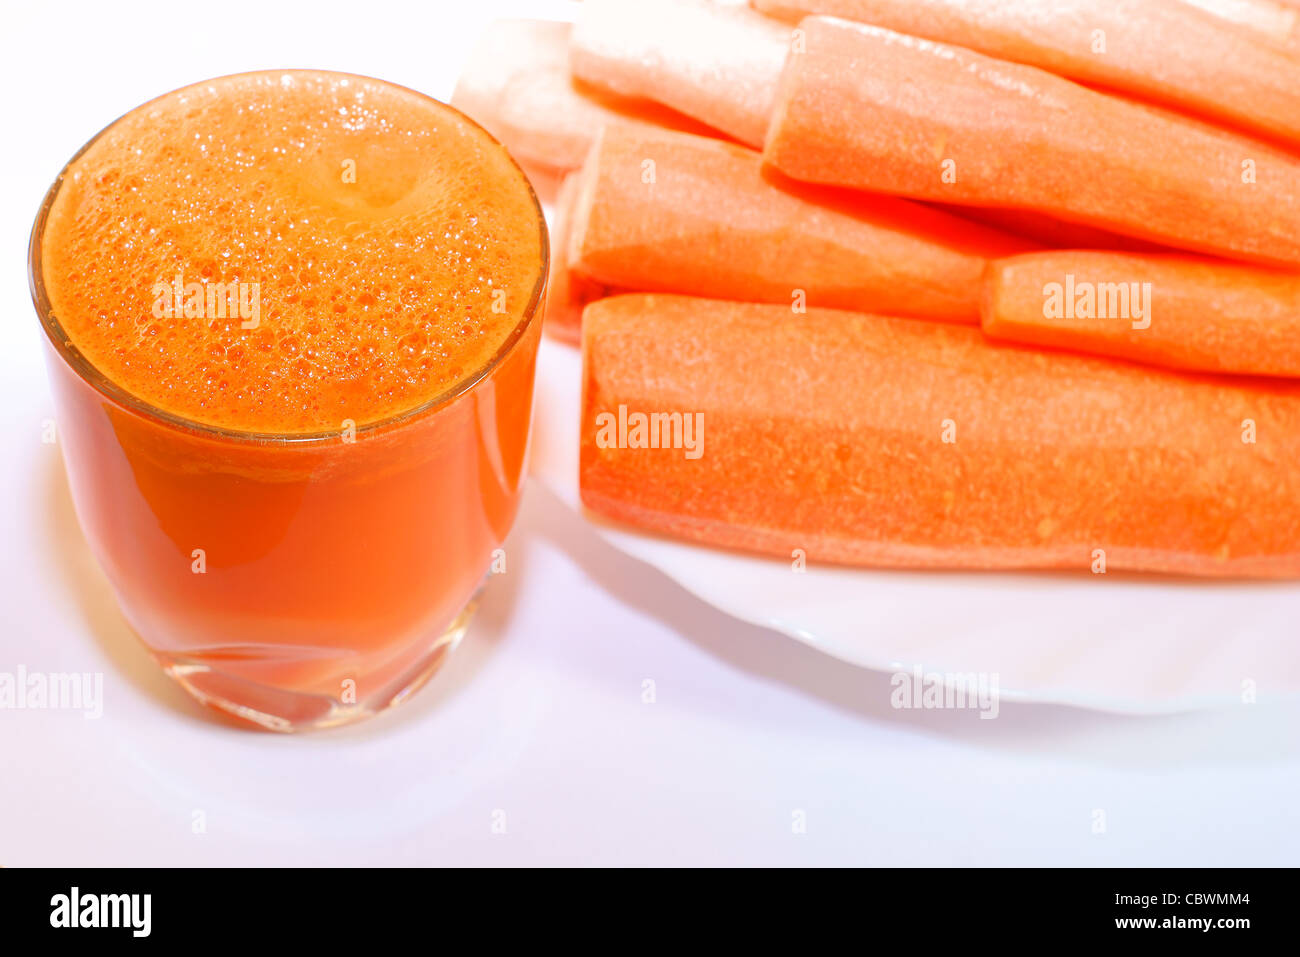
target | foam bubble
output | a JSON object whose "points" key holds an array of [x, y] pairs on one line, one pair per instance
{"points": [[373, 232]]}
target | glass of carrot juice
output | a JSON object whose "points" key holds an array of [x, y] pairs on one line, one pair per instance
{"points": [[292, 322]]}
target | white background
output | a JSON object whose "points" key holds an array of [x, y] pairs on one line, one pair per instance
{"points": [[539, 715]]}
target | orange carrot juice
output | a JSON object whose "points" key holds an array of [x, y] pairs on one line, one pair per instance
{"points": [[292, 320]]}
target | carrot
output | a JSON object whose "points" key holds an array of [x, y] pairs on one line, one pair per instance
{"points": [[718, 63], [869, 440], [1174, 311], [1048, 230], [1165, 51], [567, 292], [662, 211], [517, 85], [870, 108], [1277, 22]]}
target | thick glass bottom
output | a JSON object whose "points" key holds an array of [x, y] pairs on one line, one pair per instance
{"points": [[278, 709]]}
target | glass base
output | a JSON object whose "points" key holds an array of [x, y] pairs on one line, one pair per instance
{"points": [[275, 709]]}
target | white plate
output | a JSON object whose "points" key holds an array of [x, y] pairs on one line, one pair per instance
{"points": [[1117, 643]]}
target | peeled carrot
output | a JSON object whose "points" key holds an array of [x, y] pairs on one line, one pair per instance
{"points": [[870, 108], [868, 440], [716, 62], [1278, 22], [662, 211], [567, 292], [1174, 311], [1050, 231], [517, 85], [1165, 51]]}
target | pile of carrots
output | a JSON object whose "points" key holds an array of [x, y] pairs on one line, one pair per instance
{"points": [[946, 283]]}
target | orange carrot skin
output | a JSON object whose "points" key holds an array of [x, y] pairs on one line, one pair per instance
{"points": [[872, 109], [1048, 231], [825, 433], [1165, 51], [718, 63], [663, 211], [1200, 314], [517, 86]]}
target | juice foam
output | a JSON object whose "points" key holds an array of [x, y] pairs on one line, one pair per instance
{"points": [[384, 246]]}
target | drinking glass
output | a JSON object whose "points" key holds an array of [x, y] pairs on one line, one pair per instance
{"points": [[296, 580]]}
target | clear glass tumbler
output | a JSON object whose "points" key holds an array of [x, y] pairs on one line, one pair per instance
{"points": [[305, 580]]}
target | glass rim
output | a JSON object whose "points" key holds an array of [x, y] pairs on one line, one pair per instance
{"points": [[97, 379]]}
